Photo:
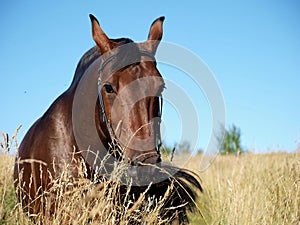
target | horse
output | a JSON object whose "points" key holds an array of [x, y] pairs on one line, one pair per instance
{"points": [[99, 111]]}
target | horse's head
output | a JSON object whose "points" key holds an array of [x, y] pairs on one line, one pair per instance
{"points": [[129, 89]]}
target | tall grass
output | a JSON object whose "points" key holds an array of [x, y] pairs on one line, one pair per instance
{"points": [[252, 189], [249, 189], [70, 200], [80, 201]]}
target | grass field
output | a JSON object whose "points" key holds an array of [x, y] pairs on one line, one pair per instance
{"points": [[249, 189], [252, 189]]}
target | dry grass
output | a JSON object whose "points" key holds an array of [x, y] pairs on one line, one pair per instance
{"points": [[80, 201], [83, 201], [249, 189], [252, 189]]}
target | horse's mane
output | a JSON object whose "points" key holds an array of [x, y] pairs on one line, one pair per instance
{"points": [[86, 60], [89, 57], [185, 187]]}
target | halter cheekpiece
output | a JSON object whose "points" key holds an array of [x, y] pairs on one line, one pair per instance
{"points": [[115, 146]]}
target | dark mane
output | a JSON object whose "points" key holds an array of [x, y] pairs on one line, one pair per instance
{"points": [[86, 60], [184, 192], [90, 56]]}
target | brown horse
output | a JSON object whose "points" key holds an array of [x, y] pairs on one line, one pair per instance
{"points": [[113, 106]]}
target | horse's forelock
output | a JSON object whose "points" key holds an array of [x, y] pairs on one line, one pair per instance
{"points": [[128, 53]]}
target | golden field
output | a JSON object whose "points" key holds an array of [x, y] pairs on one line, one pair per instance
{"points": [[248, 189], [252, 189]]}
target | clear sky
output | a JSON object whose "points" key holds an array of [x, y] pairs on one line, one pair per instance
{"points": [[252, 47]]}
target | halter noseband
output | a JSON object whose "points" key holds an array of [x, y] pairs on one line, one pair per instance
{"points": [[114, 142]]}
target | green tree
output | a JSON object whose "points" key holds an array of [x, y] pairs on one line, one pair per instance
{"points": [[231, 143]]}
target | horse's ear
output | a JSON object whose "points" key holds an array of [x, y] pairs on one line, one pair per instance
{"points": [[155, 34], [102, 41]]}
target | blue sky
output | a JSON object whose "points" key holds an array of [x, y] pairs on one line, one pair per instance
{"points": [[252, 47]]}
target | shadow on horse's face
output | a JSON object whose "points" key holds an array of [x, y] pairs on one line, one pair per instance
{"points": [[130, 96]]}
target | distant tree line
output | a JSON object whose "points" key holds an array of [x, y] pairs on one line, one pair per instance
{"points": [[231, 142]]}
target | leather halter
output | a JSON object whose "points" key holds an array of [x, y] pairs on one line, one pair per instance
{"points": [[115, 146]]}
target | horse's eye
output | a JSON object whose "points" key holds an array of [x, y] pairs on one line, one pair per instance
{"points": [[108, 88]]}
